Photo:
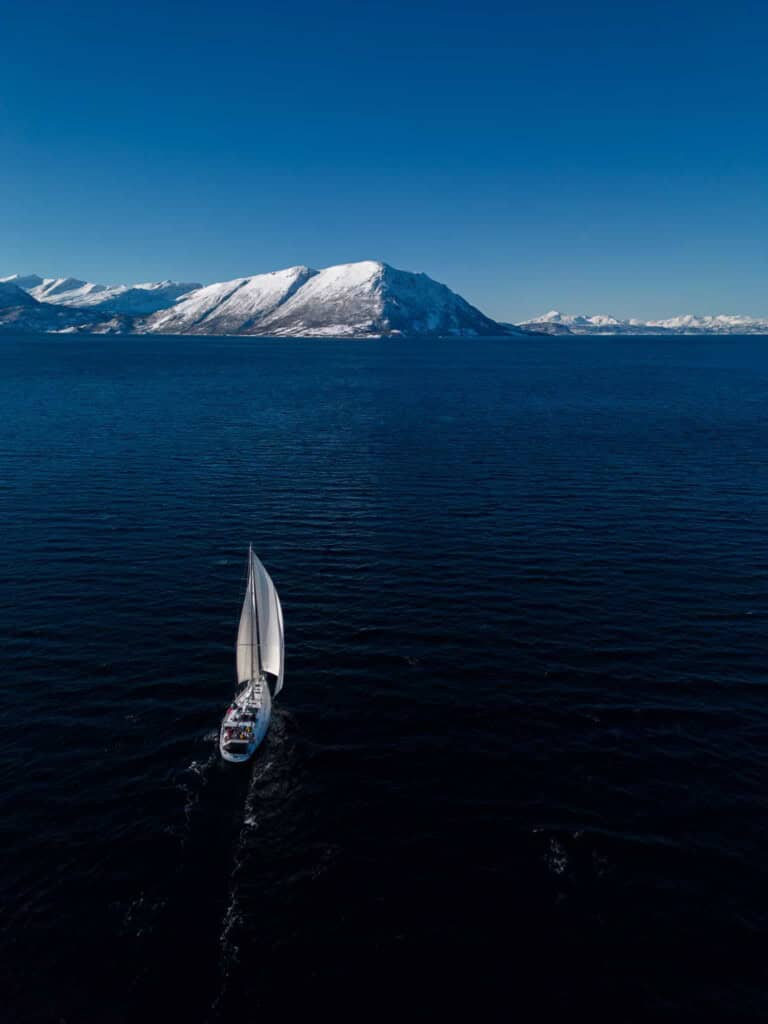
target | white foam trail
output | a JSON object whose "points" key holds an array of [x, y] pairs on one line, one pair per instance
{"points": [[230, 951], [271, 761], [142, 913], [556, 858], [197, 774]]}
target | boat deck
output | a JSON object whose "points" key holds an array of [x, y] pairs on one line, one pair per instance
{"points": [[242, 719]]}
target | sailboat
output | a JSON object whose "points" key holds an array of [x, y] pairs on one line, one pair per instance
{"points": [[260, 663]]}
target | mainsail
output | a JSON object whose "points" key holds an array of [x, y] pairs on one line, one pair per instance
{"points": [[260, 634]]}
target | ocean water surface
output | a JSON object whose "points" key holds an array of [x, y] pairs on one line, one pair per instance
{"points": [[519, 763]]}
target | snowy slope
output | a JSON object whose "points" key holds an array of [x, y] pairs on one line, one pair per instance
{"points": [[25, 281], [338, 301], [65, 291], [372, 298], [137, 299], [141, 299], [21, 313], [349, 300], [230, 307]]}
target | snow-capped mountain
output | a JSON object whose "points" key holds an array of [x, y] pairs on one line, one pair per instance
{"points": [[374, 298], [20, 312], [65, 291], [25, 281], [136, 299], [357, 300], [722, 323], [349, 300], [567, 320], [560, 323], [367, 299]]}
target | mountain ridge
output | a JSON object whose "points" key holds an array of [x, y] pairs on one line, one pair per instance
{"points": [[555, 322], [368, 298], [364, 299]]}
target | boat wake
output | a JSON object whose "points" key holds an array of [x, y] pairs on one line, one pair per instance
{"points": [[192, 781], [576, 858], [142, 914], [230, 951], [267, 788]]}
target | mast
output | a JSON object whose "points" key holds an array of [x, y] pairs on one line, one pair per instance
{"points": [[255, 635]]}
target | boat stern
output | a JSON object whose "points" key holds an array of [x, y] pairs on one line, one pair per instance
{"points": [[243, 728]]}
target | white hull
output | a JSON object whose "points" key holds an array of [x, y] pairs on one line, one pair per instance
{"points": [[245, 723]]}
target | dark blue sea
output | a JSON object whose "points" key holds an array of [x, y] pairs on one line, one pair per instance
{"points": [[518, 768]]}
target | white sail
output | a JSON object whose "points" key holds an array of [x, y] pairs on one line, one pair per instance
{"points": [[270, 623], [260, 634], [279, 683]]}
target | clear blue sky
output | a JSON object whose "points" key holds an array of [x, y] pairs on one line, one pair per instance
{"points": [[599, 157]]}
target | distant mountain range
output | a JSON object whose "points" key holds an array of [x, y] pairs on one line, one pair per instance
{"points": [[560, 323], [367, 299], [355, 300]]}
